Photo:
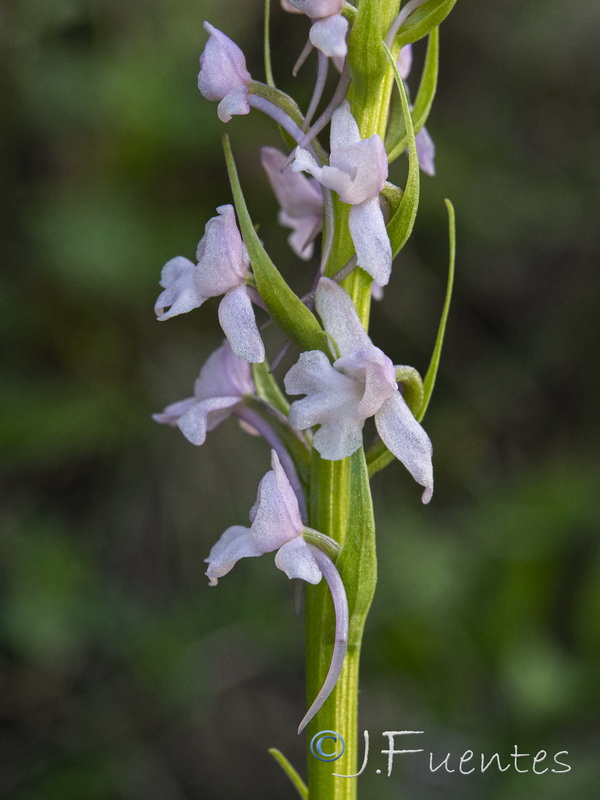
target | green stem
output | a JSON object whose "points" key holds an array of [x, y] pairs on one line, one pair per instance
{"points": [[340, 498]]}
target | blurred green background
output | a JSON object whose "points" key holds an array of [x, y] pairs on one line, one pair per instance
{"points": [[123, 676]]}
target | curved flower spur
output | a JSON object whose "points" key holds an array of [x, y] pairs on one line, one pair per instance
{"points": [[276, 524]]}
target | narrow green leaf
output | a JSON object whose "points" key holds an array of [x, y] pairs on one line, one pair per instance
{"points": [[401, 224], [267, 387], [292, 774], [357, 563], [267, 45], [284, 306], [423, 20], [430, 377], [423, 100]]}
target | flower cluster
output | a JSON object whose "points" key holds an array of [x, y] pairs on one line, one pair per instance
{"points": [[340, 378]]}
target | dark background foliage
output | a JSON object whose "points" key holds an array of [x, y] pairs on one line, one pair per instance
{"points": [[123, 676]]}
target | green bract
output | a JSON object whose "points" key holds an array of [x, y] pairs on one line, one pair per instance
{"points": [[401, 224], [422, 21], [397, 139]]}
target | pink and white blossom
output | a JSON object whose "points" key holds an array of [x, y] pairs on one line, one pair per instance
{"points": [[300, 199], [222, 269], [357, 170], [329, 29], [223, 74], [276, 524], [361, 383], [223, 382]]}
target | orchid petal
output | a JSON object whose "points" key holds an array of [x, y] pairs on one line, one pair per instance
{"points": [[327, 390], [340, 317], [234, 104], [297, 561], [406, 439], [219, 388], [305, 162], [371, 240], [224, 375], [304, 231], [338, 63], [332, 401], [275, 516], [235, 543], [287, 6], [358, 167], [404, 62], [180, 293], [222, 257], [170, 415], [204, 416], [339, 437], [239, 324], [316, 9], [344, 128], [286, 491], [358, 171], [376, 372], [297, 195], [376, 291], [340, 604], [425, 151], [222, 66], [329, 35], [300, 199]]}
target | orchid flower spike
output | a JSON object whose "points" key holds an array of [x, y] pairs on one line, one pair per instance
{"points": [[360, 383], [223, 268], [357, 170], [276, 525], [223, 75], [220, 387], [423, 141], [300, 199]]}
